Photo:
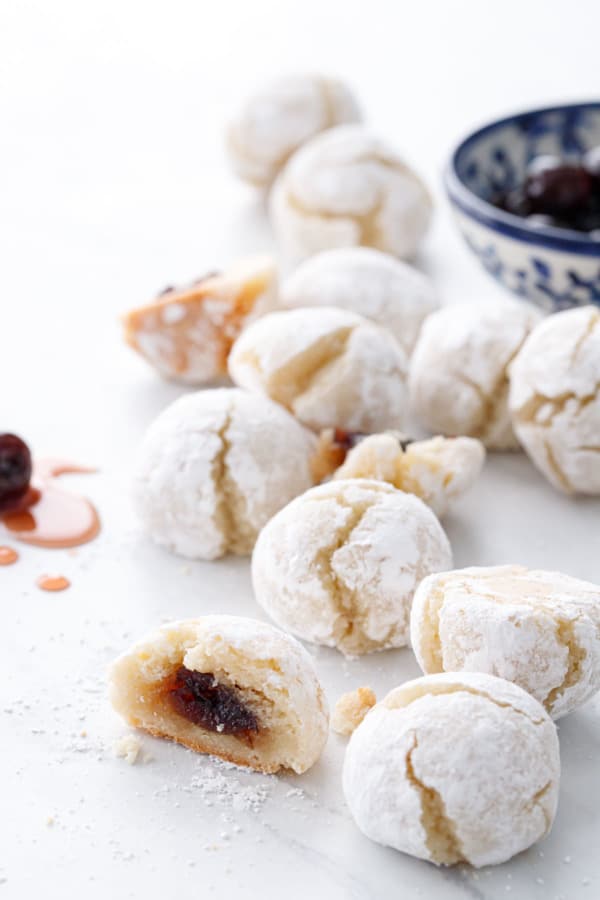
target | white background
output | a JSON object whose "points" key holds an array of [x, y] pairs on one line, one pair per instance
{"points": [[112, 184]]}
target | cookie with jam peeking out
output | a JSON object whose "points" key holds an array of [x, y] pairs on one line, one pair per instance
{"points": [[233, 687]]}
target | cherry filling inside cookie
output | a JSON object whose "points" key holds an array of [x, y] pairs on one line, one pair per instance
{"points": [[198, 697]]}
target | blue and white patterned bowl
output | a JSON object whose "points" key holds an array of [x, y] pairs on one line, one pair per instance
{"points": [[554, 267]]}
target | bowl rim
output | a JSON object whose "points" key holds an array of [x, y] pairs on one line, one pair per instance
{"points": [[507, 223]]}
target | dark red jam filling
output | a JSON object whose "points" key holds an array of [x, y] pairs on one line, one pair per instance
{"points": [[558, 192], [15, 471], [199, 698], [347, 439]]}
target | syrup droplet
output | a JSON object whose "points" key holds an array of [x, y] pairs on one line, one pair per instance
{"points": [[8, 556], [53, 582], [54, 517]]}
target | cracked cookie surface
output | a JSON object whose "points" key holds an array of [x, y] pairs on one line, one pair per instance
{"points": [[416, 780], [365, 281], [230, 686], [347, 188], [540, 630], [280, 117], [339, 565], [555, 399], [214, 467], [327, 366], [459, 371]]}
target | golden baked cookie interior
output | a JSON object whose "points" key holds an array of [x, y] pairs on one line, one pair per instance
{"points": [[232, 687]]}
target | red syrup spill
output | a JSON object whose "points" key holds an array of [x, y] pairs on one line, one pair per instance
{"points": [[8, 556], [48, 515], [53, 582]]}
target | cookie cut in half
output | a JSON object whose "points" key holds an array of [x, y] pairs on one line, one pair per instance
{"points": [[232, 687], [186, 333]]}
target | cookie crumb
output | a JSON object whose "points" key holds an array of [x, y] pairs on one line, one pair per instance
{"points": [[350, 710], [128, 747]]}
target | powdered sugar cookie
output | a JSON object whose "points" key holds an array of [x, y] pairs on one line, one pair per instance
{"points": [[282, 116], [348, 188], [214, 467], [327, 366], [233, 687], [460, 767], [339, 565], [187, 332], [365, 281], [459, 369], [555, 399], [436, 470], [540, 630]]}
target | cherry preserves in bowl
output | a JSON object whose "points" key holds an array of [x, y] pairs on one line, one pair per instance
{"points": [[526, 195]]}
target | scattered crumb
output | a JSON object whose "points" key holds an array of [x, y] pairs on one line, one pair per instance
{"points": [[186, 570], [50, 821], [216, 784], [351, 708], [128, 747]]}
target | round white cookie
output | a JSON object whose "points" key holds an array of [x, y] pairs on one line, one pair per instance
{"points": [[459, 767], [437, 470], [234, 687], [348, 188], [327, 366], [540, 630], [273, 122], [555, 399], [365, 281], [339, 565], [459, 369], [214, 467]]}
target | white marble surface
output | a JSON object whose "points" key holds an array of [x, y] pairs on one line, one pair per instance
{"points": [[112, 184]]}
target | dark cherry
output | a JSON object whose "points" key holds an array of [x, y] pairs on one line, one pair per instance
{"points": [[199, 698], [15, 470], [560, 191]]}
